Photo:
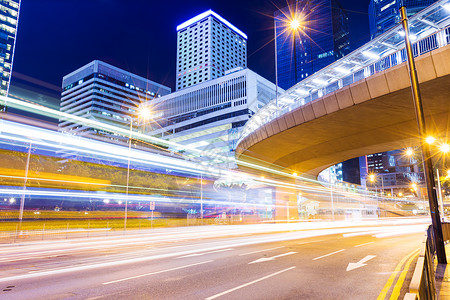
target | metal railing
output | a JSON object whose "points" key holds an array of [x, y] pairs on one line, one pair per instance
{"points": [[430, 29], [423, 282]]}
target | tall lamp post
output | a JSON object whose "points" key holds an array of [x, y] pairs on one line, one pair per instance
{"points": [[144, 113], [294, 24], [426, 153]]}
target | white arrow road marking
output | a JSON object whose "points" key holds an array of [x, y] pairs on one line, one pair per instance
{"points": [[270, 258], [361, 263], [204, 253]]}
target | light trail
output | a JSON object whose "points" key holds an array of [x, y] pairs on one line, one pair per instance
{"points": [[95, 184], [47, 139], [31, 107]]}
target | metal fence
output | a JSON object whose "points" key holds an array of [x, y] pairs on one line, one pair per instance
{"points": [[423, 285]]}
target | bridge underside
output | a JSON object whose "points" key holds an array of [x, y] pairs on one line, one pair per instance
{"points": [[374, 115]]}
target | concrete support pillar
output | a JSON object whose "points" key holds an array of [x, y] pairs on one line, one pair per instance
{"points": [[285, 204]]}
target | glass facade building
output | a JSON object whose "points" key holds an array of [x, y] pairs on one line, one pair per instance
{"points": [[322, 39], [9, 18], [207, 47], [384, 14], [102, 92], [210, 115]]}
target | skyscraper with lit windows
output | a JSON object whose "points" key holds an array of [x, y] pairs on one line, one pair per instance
{"points": [[9, 18], [102, 92], [321, 39], [207, 47]]}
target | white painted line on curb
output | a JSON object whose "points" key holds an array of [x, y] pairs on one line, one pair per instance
{"points": [[249, 283], [328, 254], [158, 272], [270, 249]]}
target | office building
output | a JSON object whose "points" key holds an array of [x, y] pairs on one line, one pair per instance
{"points": [[102, 92], [321, 39], [384, 14], [209, 116], [9, 18], [207, 47]]}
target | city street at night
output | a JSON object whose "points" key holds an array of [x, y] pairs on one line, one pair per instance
{"points": [[232, 149], [332, 261]]}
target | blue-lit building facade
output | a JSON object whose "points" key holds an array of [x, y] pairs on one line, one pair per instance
{"points": [[9, 18], [384, 14], [322, 39]]}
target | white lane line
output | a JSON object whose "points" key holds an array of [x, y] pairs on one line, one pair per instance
{"points": [[249, 283], [360, 245], [303, 243], [371, 232], [270, 249], [328, 254], [204, 253], [158, 272], [264, 259]]}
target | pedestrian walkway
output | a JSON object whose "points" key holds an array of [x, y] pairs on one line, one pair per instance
{"points": [[443, 277]]}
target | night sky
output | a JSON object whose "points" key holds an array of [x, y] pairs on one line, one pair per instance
{"points": [[55, 37]]}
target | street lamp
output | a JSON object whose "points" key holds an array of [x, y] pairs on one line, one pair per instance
{"points": [[144, 113], [409, 152], [422, 129], [444, 148], [430, 140], [294, 24]]}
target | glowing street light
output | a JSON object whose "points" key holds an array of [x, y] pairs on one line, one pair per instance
{"points": [[414, 186], [430, 139], [409, 152], [444, 148], [372, 177], [295, 24]]}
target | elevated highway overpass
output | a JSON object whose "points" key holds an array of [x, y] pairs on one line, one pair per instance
{"points": [[361, 104]]}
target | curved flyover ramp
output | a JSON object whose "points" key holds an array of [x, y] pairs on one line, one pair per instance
{"points": [[372, 115]]}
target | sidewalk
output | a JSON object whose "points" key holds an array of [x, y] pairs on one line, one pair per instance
{"points": [[443, 277]]}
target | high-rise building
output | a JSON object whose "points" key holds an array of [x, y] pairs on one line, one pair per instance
{"points": [[321, 39], [102, 92], [9, 18], [210, 116], [207, 47], [384, 14]]}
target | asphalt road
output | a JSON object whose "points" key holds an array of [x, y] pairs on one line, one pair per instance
{"points": [[370, 261]]}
